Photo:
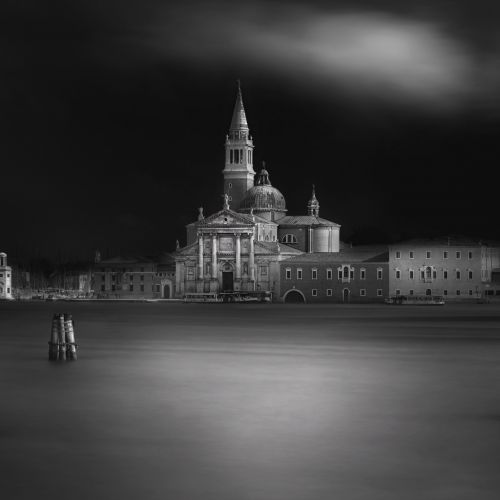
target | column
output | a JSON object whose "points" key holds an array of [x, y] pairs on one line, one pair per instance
{"points": [[238, 256], [214, 256], [200, 256], [252, 259]]}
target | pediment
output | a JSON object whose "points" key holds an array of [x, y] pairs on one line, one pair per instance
{"points": [[226, 218]]}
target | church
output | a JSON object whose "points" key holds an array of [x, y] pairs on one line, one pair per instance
{"points": [[244, 246]]}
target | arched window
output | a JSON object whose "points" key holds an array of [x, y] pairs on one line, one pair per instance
{"points": [[346, 271], [428, 272], [289, 238]]}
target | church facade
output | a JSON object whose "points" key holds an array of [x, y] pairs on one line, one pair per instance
{"points": [[242, 248]]}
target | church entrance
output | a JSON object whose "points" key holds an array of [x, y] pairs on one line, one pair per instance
{"points": [[166, 292], [346, 295], [227, 281]]}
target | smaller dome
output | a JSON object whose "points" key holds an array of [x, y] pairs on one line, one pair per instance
{"points": [[263, 198]]}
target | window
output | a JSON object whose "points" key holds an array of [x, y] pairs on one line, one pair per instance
{"points": [[470, 255], [289, 239], [362, 273], [207, 267], [288, 273], [362, 292], [428, 272], [427, 254], [190, 273], [329, 274], [470, 292], [113, 277], [329, 292], [410, 292], [422, 274], [458, 292], [314, 274], [245, 268], [340, 274], [398, 274], [230, 185], [398, 254], [458, 254], [379, 274], [379, 292], [314, 292], [445, 254], [142, 277], [131, 288], [113, 288], [458, 274], [469, 275], [434, 274], [346, 272], [142, 288], [412, 274], [398, 291], [412, 254], [445, 274], [103, 288], [351, 274], [428, 292], [1, 275], [445, 292], [231, 156], [263, 270]]}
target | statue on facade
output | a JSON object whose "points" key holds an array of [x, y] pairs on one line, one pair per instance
{"points": [[177, 245], [226, 201], [200, 213]]}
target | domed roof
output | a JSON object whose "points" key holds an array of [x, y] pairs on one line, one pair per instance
{"points": [[263, 196]]}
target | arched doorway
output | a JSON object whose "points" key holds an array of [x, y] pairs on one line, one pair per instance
{"points": [[227, 278], [346, 295], [294, 297], [166, 291], [428, 292]]}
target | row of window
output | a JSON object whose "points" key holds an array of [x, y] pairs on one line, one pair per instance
{"points": [[113, 277], [429, 292], [345, 273], [238, 155], [329, 292], [429, 273], [130, 288], [123, 270], [428, 254], [1, 275]]}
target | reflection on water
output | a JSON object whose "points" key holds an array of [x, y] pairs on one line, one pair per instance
{"points": [[188, 401]]}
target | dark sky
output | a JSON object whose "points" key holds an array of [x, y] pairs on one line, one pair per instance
{"points": [[113, 116]]}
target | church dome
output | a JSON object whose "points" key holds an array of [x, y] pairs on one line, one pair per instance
{"points": [[263, 197]]}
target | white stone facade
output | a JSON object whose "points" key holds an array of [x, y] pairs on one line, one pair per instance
{"points": [[5, 278]]}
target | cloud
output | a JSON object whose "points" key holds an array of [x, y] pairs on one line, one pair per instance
{"points": [[363, 53]]}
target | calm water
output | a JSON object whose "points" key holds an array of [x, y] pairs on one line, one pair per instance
{"points": [[257, 402]]}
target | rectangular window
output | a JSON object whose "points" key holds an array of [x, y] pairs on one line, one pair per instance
{"points": [[445, 292], [398, 291], [398, 274], [398, 254], [379, 292], [470, 292], [412, 254], [329, 292], [445, 274], [329, 274], [427, 254], [113, 277], [458, 292], [362, 292], [412, 274], [299, 273], [470, 275], [422, 274], [379, 274], [288, 273], [434, 274], [314, 292], [142, 277], [445, 254], [351, 274], [459, 255], [314, 274], [458, 275], [190, 273], [131, 288], [362, 274], [340, 274], [142, 288], [470, 255], [411, 292], [231, 157], [103, 288], [113, 288]]}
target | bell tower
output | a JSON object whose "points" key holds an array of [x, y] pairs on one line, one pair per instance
{"points": [[238, 171]]}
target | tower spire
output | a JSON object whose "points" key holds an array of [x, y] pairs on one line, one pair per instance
{"points": [[239, 121], [313, 204]]}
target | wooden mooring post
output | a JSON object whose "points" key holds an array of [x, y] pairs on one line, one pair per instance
{"points": [[62, 344]]}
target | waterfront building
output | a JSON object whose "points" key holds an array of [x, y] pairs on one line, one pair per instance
{"points": [[5, 278]]}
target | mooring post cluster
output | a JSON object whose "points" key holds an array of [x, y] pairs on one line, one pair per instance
{"points": [[62, 345]]}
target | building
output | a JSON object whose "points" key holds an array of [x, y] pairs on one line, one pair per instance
{"points": [[5, 278], [242, 247], [450, 267], [357, 274]]}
